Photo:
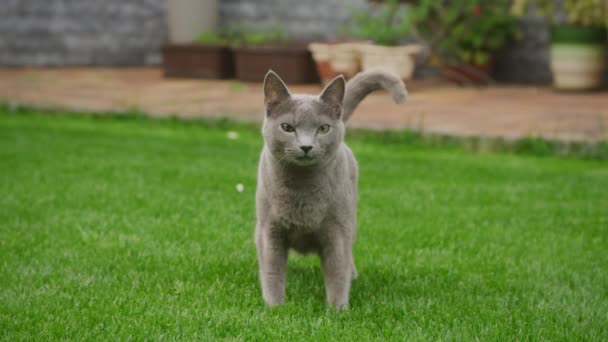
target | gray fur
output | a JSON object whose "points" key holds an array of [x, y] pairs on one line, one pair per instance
{"points": [[366, 82], [307, 201]]}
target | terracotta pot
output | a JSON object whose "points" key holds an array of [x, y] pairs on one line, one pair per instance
{"points": [[398, 59], [577, 57], [467, 73], [293, 62], [198, 61]]}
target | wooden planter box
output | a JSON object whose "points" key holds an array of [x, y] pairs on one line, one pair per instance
{"points": [[293, 62], [198, 61]]}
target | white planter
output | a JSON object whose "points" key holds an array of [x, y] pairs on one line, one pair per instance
{"points": [[398, 59], [577, 66], [188, 18], [320, 51]]}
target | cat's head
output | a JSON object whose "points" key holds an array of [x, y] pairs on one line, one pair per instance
{"points": [[303, 130]]}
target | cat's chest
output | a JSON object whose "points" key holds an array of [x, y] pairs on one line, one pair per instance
{"points": [[302, 208]]}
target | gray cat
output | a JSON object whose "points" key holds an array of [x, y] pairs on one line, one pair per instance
{"points": [[307, 181]]}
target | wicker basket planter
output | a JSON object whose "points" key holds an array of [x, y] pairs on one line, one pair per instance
{"points": [[400, 60], [335, 58]]}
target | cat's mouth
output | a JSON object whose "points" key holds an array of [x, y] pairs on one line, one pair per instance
{"points": [[305, 160]]}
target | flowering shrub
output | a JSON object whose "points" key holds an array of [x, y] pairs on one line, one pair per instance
{"points": [[468, 31], [578, 12], [385, 24]]}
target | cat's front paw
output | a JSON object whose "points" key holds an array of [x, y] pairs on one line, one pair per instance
{"points": [[338, 306], [272, 300]]}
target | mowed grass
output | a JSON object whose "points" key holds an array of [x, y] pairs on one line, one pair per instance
{"points": [[131, 229]]}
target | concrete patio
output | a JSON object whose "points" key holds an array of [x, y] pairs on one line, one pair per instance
{"points": [[432, 107]]}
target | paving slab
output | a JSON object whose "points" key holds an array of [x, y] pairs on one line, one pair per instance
{"points": [[432, 107]]}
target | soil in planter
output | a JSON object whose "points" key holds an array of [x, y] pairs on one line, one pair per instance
{"points": [[198, 61], [293, 62]]}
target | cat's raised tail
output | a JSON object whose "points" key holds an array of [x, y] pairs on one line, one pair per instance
{"points": [[368, 81]]}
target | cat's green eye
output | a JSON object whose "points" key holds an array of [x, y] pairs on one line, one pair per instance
{"points": [[324, 129], [287, 128]]}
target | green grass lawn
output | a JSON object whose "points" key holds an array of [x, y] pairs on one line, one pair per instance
{"points": [[118, 229]]}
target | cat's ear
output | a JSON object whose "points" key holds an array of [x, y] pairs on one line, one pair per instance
{"points": [[333, 94], [275, 91]]}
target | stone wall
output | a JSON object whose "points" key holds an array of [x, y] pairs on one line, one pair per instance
{"points": [[300, 18], [81, 32], [526, 60], [121, 32]]}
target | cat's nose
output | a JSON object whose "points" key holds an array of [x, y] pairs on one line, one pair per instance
{"points": [[306, 148]]}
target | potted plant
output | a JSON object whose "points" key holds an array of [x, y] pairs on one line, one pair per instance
{"points": [[385, 26], [260, 51], [463, 36], [209, 57], [578, 43]]}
